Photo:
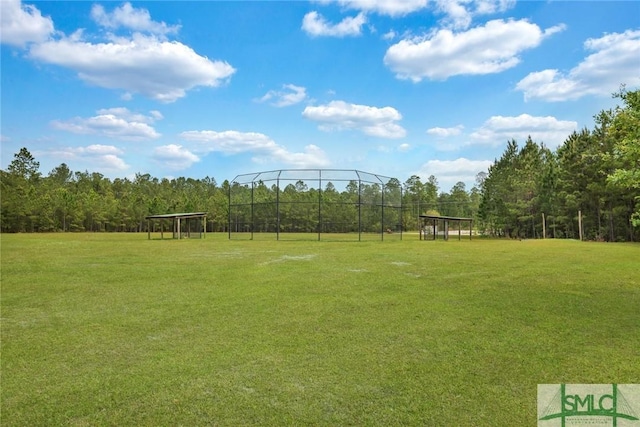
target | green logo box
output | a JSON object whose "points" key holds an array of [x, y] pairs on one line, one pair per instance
{"points": [[588, 405]]}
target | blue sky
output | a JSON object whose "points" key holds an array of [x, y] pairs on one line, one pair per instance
{"points": [[218, 89]]}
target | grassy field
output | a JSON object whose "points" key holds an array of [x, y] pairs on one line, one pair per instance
{"points": [[114, 329]]}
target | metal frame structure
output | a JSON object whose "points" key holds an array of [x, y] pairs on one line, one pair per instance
{"points": [[265, 202], [176, 228], [445, 222]]}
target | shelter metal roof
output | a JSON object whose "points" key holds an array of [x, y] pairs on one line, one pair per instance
{"points": [[177, 215], [450, 218]]}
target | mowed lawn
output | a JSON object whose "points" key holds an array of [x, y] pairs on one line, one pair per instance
{"points": [[114, 329]]}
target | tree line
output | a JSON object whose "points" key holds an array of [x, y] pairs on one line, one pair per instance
{"points": [[64, 200], [591, 181], [529, 191]]}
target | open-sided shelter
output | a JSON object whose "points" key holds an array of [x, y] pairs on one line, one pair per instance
{"points": [[430, 224], [182, 224]]}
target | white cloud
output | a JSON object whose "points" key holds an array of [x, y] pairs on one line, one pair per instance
{"points": [[460, 13], [389, 35], [124, 113], [487, 49], [339, 115], [111, 162], [160, 70], [499, 129], [290, 95], [493, 6], [263, 148], [102, 158], [457, 15], [312, 157], [21, 24], [157, 115], [119, 123], [230, 141], [385, 7], [146, 64], [129, 17], [314, 24], [450, 172], [615, 60], [174, 157], [98, 150], [404, 147], [445, 132]]}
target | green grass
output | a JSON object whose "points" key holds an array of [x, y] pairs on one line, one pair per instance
{"points": [[114, 329]]}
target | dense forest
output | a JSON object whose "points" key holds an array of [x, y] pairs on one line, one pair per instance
{"points": [[594, 175]]}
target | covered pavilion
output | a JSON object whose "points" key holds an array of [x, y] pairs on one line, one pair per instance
{"points": [[181, 224], [435, 219]]}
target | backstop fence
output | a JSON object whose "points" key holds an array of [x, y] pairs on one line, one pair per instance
{"points": [[315, 204]]}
